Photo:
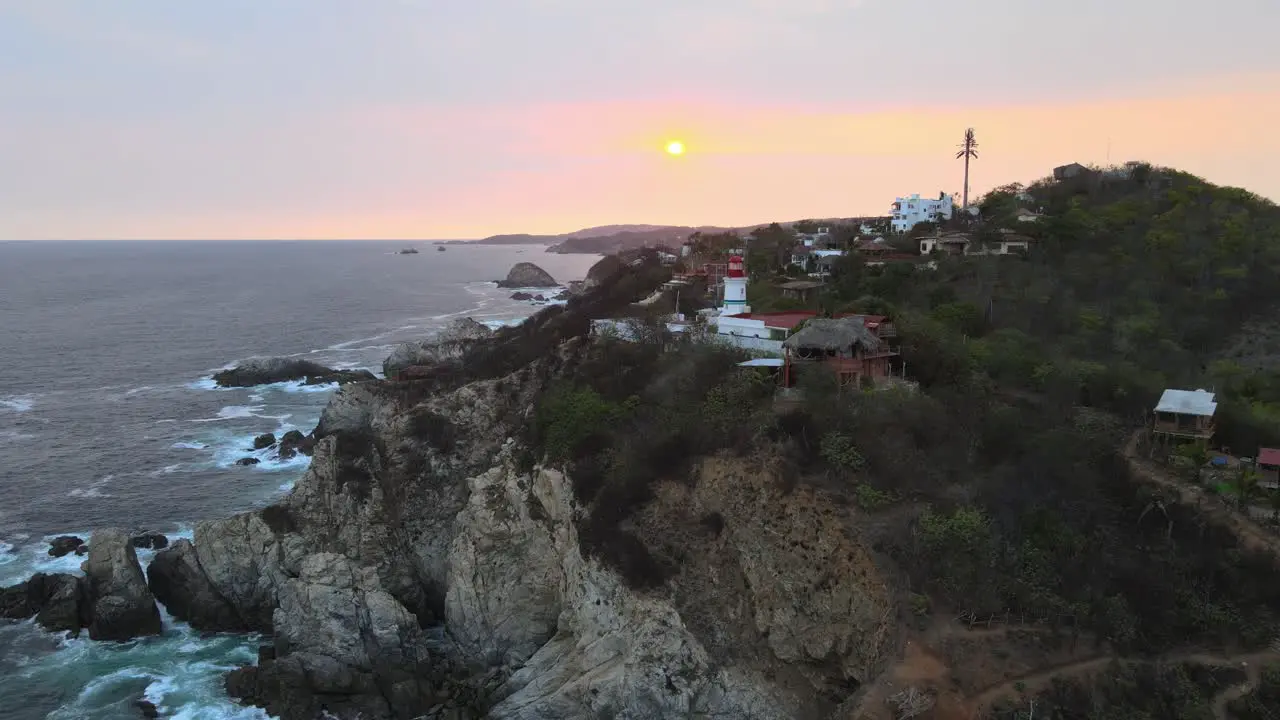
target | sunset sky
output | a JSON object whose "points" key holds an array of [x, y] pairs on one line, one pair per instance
{"points": [[456, 119]]}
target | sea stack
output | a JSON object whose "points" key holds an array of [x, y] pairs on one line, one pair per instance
{"points": [[528, 275]]}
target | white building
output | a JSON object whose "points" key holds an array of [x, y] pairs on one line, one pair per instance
{"points": [[910, 211]]}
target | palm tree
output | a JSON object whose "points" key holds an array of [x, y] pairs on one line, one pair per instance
{"points": [[968, 149]]}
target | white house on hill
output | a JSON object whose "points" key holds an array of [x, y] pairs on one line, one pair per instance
{"points": [[910, 211]]}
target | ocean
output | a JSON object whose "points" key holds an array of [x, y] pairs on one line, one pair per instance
{"points": [[108, 416]]}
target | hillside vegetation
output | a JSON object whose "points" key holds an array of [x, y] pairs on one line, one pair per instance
{"points": [[998, 488]]}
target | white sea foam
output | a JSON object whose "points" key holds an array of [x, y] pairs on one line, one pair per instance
{"points": [[20, 561], [300, 386], [94, 489], [180, 671], [189, 446], [234, 412], [18, 403], [13, 436]]}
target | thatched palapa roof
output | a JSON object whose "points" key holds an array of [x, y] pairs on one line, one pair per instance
{"points": [[834, 334]]}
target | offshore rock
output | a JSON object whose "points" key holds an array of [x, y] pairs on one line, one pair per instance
{"points": [[527, 275], [121, 607], [64, 545], [58, 602], [149, 541], [273, 370]]}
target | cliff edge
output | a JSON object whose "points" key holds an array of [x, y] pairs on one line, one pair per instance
{"points": [[428, 563]]}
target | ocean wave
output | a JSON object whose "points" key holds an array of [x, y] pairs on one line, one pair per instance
{"points": [[18, 403], [234, 412], [180, 671], [236, 448], [205, 383], [94, 489]]}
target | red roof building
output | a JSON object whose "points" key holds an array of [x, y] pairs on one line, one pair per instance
{"points": [[1268, 456]]}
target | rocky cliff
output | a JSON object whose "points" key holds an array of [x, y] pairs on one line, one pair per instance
{"points": [[423, 566], [431, 563]]}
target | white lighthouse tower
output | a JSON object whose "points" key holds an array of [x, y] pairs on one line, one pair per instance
{"points": [[735, 288]]}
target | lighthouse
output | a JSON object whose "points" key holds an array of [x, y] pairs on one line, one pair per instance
{"points": [[735, 288]]}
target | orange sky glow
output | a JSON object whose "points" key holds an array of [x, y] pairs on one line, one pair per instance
{"points": [[172, 122]]}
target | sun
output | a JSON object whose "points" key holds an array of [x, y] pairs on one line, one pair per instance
{"points": [[675, 147]]}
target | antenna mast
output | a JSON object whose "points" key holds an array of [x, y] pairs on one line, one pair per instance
{"points": [[968, 149]]}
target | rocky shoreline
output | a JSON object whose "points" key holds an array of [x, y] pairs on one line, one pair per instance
{"points": [[426, 567]]}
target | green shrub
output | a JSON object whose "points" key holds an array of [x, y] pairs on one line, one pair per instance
{"points": [[568, 419], [839, 450], [871, 499]]}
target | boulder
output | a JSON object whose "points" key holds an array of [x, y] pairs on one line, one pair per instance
{"points": [[64, 545], [82, 550], [149, 541], [121, 607], [521, 296], [527, 275], [264, 441], [147, 709], [293, 443], [247, 461], [178, 581], [274, 370], [57, 601]]}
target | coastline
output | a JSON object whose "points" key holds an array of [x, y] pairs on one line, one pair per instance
{"points": [[23, 553]]}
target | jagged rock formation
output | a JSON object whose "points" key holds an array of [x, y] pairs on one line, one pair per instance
{"points": [[112, 599], [418, 563], [448, 345], [177, 580], [274, 370], [527, 275], [57, 602], [64, 545], [121, 606]]}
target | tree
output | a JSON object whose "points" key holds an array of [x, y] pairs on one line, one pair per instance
{"points": [[1197, 456], [1245, 486]]}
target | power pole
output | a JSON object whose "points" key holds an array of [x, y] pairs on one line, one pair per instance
{"points": [[968, 149]]}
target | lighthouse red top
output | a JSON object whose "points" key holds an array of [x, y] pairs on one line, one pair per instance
{"points": [[735, 267]]}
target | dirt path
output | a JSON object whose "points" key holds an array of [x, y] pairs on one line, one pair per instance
{"points": [[1250, 534], [1034, 683]]}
